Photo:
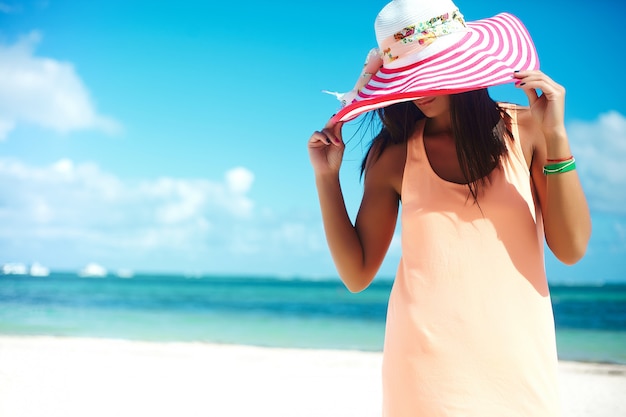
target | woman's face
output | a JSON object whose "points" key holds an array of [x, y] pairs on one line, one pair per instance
{"points": [[433, 106]]}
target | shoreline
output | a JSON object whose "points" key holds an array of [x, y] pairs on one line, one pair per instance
{"points": [[600, 363], [69, 376]]}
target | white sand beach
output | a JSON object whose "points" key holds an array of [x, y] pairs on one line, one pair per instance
{"points": [[72, 377]]}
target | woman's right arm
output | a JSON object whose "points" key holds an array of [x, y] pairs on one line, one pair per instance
{"points": [[357, 250]]}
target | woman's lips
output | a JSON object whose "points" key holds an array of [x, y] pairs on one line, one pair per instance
{"points": [[425, 101]]}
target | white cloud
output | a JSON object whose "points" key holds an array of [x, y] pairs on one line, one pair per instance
{"points": [[78, 213], [600, 150], [239, 180], [44, 92], [69, 196]]}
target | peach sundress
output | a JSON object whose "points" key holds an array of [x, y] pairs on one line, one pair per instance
{"points": [[470, 328]]}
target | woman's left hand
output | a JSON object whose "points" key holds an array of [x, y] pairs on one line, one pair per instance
{"points": [[566, 219], [548, 109]]}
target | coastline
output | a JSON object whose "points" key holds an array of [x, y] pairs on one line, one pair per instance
{"points": [[59, 376]]}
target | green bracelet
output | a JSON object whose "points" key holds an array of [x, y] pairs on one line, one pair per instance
{"points": [[560, 168]]}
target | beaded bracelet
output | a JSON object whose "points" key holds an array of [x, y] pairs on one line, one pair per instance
{"points": [[560, 167]]}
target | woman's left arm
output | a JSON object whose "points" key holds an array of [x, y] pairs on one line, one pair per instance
{"points": [[567, 222]]}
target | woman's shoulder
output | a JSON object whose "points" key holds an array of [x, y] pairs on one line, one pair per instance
{"points": [[385, 163], [527, 130], [384, 151], [522, 117], [386, 155], [516, 111]]}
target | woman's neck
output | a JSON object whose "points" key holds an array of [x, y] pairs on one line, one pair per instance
{"points": [[439, 125]]}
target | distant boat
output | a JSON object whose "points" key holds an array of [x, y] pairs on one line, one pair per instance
{"points": [[125, 273], [93, 270], [14, 269], [38, 270]]}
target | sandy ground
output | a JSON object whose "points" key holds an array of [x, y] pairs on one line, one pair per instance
{"points": [[68, 377]]}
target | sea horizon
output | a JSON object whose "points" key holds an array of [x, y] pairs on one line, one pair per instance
{"points": [[85, 272], [267, 310]]}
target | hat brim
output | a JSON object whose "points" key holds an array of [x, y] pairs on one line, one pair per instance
{"points": [[486, 56]]}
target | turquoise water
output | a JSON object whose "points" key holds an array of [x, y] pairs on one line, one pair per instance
{"points": [[591, 321]]}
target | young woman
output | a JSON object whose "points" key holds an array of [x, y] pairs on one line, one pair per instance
{"points": [[469, 327]]}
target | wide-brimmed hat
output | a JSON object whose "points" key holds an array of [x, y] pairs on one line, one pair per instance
{"points": [[426, 48]]}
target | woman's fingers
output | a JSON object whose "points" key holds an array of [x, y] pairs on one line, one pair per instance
{"points": [[547, 108], [530, 92], [524, 81], [332, 131], [329, 135], [318, 139], [531, 81], [324, 138]]}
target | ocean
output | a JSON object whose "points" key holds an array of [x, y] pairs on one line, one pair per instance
{"points": [[590, 320]]}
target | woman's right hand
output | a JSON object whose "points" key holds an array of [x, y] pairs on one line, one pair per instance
{"points": [[326, 149]]}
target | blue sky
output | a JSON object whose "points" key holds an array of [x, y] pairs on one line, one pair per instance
{"points": [[171, 136]]}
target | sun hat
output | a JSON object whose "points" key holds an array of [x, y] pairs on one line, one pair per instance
{"points": [[425, 48]]}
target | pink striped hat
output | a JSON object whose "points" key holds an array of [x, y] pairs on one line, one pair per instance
{"points": [[425, 48]]}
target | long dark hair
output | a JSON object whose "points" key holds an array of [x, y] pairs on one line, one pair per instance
{"points": [[479, 127]]}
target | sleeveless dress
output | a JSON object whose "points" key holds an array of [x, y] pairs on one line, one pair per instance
{"points": [[470, 329]]}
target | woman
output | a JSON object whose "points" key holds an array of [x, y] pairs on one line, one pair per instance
{"points": [[469, 326]]}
